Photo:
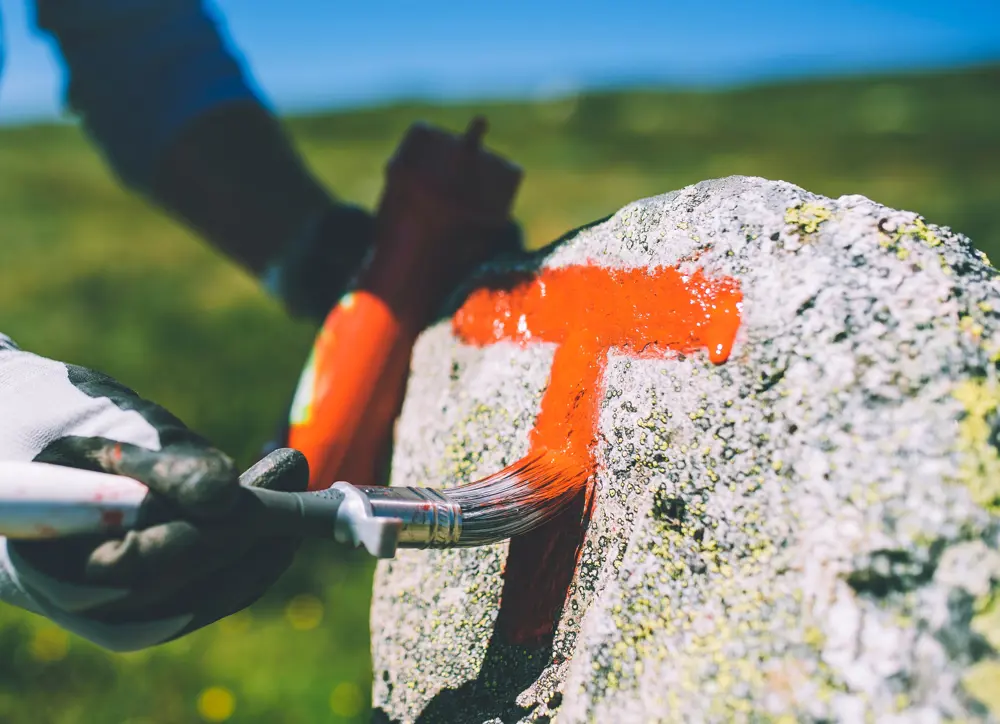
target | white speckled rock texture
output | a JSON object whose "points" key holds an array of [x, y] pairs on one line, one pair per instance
{"points": [[807, 532]]}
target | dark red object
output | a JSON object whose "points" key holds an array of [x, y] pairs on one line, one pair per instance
{"points": [[445, 206]]}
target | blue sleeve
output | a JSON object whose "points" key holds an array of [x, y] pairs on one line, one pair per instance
{"points": [[139, 71]]}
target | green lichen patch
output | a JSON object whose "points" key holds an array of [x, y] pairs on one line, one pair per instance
{"points": [[977, 441], [807, 217], [918, 230], [982, 682], [986, 621]]}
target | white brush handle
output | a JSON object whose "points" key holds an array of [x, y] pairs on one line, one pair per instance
{"points": [[39, 500]]}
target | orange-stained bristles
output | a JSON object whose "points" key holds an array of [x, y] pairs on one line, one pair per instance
{"points": [[518, 499]]}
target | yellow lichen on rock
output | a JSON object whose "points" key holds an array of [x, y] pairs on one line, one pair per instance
{"points": [[986, 621], [807, 217], [983, 682], [980, 464]]}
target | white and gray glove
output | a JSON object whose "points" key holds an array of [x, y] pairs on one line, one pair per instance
{"points": [[151, 585]]}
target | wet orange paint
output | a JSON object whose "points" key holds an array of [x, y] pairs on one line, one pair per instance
{"points": [[587, 311]]}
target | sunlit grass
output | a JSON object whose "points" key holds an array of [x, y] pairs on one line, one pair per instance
{"points": [[92, 275]]}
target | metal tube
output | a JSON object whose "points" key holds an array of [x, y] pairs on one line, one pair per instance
{"points": [[430, 520]]}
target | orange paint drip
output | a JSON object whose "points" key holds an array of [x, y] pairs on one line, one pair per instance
{"points": [[587, 311]]}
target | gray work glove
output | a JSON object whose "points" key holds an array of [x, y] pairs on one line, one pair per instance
{"points": [[151, 585]]}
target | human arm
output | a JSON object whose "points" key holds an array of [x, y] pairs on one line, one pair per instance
{"points": [[176, 116]]}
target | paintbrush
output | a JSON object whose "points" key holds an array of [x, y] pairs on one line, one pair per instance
{"points": [[40, 500]]}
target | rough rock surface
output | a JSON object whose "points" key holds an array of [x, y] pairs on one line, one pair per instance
{"points": [[808, 532]]}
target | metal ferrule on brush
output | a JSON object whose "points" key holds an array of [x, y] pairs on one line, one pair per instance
{"points": [[430, 520]]}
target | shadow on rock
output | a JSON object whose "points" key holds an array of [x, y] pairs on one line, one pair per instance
{"points": [[506, 672]]}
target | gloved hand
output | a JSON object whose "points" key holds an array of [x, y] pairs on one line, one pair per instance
{"points": [[314, 270], [151, 585]]}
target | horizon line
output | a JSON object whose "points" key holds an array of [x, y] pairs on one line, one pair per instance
{"points": [[361, 102]]}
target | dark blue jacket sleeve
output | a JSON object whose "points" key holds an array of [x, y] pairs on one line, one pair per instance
{"points": [[139, 71]]}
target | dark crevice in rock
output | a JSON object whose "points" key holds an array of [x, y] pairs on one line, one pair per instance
{"points": [[669, 509], [894, 571], [807, 305], [993, 420], [379, 716], [959, 640], [770, 380]]}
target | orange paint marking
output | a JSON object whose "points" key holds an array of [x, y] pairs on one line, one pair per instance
{"points": [[587, 311]]}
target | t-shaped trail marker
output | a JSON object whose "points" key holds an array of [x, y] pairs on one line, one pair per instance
{"points": [[587, 311]]}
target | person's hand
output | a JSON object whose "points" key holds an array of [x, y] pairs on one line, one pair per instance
{"points": [[149, 585], [315, 269]]}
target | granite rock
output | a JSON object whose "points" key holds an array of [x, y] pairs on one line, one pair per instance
{"points": [[807, 532]]}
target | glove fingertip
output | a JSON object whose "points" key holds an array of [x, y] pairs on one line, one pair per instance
{"points": [[284, 469]]}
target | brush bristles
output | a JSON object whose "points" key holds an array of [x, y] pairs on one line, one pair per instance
{"points": [[517, 499]]}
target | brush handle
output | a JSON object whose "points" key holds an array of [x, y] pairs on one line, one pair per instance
{"points": [[39, 500]]}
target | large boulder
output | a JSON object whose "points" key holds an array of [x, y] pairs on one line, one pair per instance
{"points": [[806, 531]]}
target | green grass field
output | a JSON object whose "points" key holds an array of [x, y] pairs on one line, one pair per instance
{"points": [[91, 275]]}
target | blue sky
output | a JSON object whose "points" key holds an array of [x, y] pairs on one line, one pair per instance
{"points": [[326, 53]]}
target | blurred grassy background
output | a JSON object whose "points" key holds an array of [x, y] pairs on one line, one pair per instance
{"points": [[91, 275]]}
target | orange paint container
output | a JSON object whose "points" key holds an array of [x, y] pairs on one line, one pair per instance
{"points": [[445, 206]]}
